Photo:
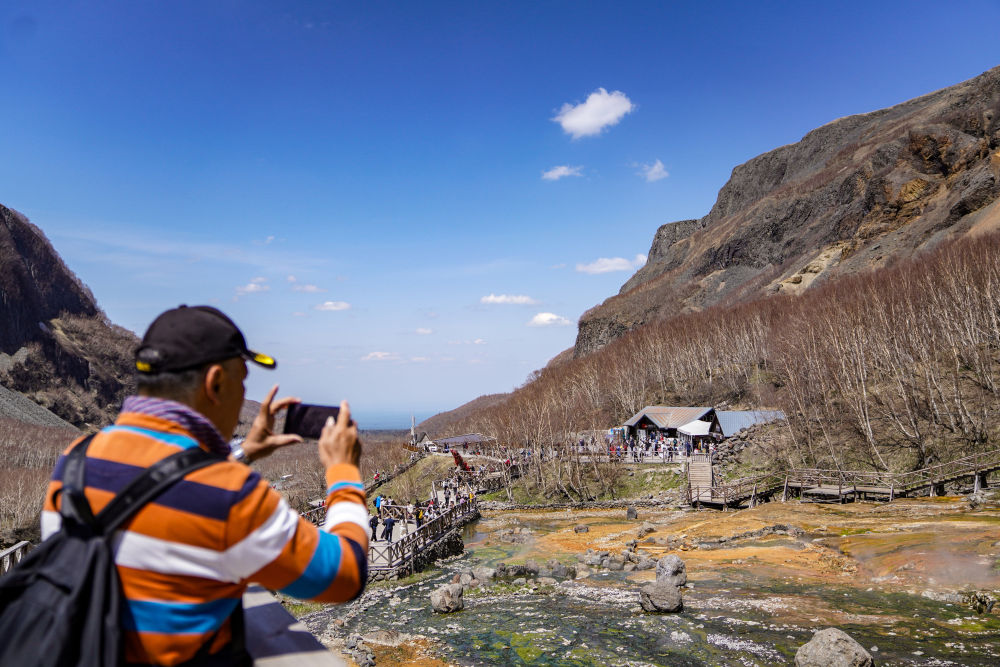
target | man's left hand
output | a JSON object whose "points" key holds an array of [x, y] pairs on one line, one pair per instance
{"points": [[261, 440]]}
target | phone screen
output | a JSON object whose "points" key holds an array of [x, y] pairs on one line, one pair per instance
{"points": [[308, 420]]}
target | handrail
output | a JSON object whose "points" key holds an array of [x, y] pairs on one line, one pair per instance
{"points": [[10, 557], [896, 483]]}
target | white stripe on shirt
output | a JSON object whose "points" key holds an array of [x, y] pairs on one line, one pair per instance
{"points": [[346, 512]]}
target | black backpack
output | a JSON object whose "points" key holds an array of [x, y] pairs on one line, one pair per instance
{"points": [[61, 605]]}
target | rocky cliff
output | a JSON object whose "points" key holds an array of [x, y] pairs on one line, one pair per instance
{"points": [[851, 195], [35, 285], [56, 346]]}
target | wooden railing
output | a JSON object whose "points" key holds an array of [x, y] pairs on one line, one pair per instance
{"points": [[404, 550], [974, 464], [735, 491], [847, 481], [9, 558]]}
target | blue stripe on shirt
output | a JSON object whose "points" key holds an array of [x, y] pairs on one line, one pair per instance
{"points": [[174, 618], [322, 569], [175, 439], [349, 485]]}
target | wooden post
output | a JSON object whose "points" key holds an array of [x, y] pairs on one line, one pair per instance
{"points": [[784, 491], [892, 489]]}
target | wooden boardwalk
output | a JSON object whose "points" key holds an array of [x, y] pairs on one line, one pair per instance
{"points": [[837, 485]]}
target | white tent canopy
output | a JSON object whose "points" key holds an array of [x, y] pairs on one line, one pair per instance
{"points": [[696, 428]]}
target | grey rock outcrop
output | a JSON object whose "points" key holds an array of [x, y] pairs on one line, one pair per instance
{"points": [[631, 513], [832, 648], [447, 599], [671, 570], [661, 597]]}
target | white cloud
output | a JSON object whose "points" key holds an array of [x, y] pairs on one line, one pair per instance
{"points": [[479, 341], [562, 171], [558, 266], [653, 172], [609, 264], [333, 305], [298, 314], [602, 109], [380, 356], [424, 332], [291, 279], [419, 359], [548, 320], [518, 299], [254, 286], [311, 289]]}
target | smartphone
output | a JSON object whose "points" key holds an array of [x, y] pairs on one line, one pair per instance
{"points": [[308, 420]]}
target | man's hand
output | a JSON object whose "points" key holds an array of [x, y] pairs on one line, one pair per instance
{"points": [[339, 441], [261, 440]]}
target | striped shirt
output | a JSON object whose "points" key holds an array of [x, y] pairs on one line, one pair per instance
{"points": [[185, 559]]}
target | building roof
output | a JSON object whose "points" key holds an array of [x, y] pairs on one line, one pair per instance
{"points": [[462, 439], [697, 427], [668, 417], [732, 421]]}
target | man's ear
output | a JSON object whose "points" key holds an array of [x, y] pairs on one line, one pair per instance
{"points": [[212, 384]]}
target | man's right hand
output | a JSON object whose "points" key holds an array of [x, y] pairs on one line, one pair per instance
{"points": [[339, 441]]}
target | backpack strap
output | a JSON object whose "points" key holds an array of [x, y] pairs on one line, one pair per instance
{"points": [[74, 509], [151, 483]]}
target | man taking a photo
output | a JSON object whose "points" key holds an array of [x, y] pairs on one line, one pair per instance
{"points": [[186, 558]]}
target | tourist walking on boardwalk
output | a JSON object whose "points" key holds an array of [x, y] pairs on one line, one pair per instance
{"points": [[373, 522], [186, 558], [388, 522]]}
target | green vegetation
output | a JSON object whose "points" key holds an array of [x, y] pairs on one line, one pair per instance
{"points": [[645, 479], [415, 483]]}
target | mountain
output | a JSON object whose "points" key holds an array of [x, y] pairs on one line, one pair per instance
{"points": [[444, 423], [852, 195], [56, 345]]}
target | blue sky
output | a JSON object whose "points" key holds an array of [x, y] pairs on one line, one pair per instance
{"points": [[350, 180]]}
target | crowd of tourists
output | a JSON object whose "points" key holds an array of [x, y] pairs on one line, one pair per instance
{"points": [[413, 515]]}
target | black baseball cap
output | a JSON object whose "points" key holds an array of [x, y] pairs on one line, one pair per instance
{"points": [[188, 337]]}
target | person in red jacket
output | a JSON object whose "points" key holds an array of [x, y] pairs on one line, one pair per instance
{"points": [[186, 558]]}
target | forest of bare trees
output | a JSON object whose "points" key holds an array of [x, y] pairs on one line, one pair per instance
{"points": [[894, 369]]}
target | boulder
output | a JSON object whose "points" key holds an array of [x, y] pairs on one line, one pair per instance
{"points": [[465, 579], [645, 530], [520, 581], [559, 570], [447, 599], [582, 529], [832, 648], [484, 574], [631, 513], [593, 560], [531, 567], [629, 567], [661, 597], [547, 581], [671, 570], [645, 563]]}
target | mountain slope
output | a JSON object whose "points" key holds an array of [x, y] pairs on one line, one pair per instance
{"points": [[56, 346], [851, 195]]}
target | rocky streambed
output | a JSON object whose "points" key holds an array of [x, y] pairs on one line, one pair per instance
{"points": [[912, 582]]}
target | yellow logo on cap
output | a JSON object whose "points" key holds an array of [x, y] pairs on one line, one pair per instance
{"points": [[143, 366], [263, 359]]}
